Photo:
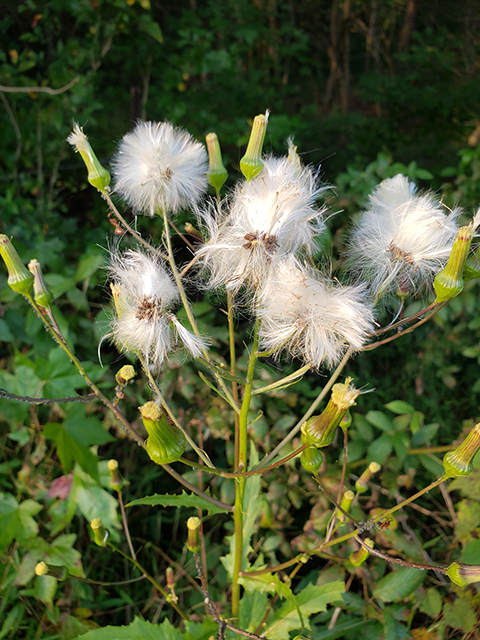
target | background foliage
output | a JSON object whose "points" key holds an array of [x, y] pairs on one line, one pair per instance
{"points": [[369, 90]]}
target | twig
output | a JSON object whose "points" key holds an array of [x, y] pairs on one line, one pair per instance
{"points": [[49, 90], [402, 563], [13, 396]]}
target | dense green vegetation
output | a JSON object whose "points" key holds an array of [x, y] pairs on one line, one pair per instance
{"points": [[368, 90]]}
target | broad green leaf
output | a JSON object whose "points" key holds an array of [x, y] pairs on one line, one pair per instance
{"points": [[468, 518], [17, 519], [138, 630], [379, 420], [431, 604], [380, 448], [471, 552], [400, 407], [93, 501], [45, 588], [5, 333], [424, 434], [400, 444], [399, 584], [431, 463], [200, 630], [88, 265], [460, 615], [182, 500], [252, 609], [310, 600]]}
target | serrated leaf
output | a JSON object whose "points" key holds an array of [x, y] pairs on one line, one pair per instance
{"points": [[17, 519], [310, 600], [188, 500], [400, 407], [399, 584], [138, 630], [460, 615], [200, 630], [431, 604]]}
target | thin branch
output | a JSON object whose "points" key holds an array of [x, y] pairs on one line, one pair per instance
{"points": [[402, 563], [193, 489], [13, 396], [49, 90]]}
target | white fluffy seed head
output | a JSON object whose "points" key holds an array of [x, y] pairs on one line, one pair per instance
{"points": [[144, 295], [160, 167], [401, 240], [310, 317], [267, 219]]}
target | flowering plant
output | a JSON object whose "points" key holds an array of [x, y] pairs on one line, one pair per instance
{"points": [[257, 248]]}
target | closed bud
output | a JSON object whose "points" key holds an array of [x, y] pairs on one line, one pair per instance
{"points": [[117, 481], [459, 462], [44, 569], [319, 431], [193, 538], [361, 484], [98, 177], [170, 578], [216, 174], [100, 534], [125, 374], [42, 294], [346, 503], [449, 282], [19, 277], [311, 459], [165, 442], [357, 558], [251, 164], [463, 574]]}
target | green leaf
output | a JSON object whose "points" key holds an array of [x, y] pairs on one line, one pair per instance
{"points": [[400, 444], [471, 552], [151, 27], [138, 630], [310, 600], [399, 584], [88, 265], [17, 519], [431, 463], [252, 610], [93, 501], [380, 449], [400, 407], [468, 518], [431, 604], [182, 500], [380, 420], [5, 333], [200, 630], [460, 615], [45, 589], [12, 621]]}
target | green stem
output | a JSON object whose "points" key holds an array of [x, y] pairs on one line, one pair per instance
{"points": [[242, 464], [186, 303], [150, 578], [284, 381], [314, 405], [233, 369]]}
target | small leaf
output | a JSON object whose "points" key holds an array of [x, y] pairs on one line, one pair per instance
{"points": [[379, 420], [431, 603], [380, 449], [400, 407], [399, 584], [460, 615], [182, 500]]}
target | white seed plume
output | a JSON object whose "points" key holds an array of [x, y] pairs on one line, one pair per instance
{"points": [[79, 140], [160, 167], [144, 295], [269, 217], [402, 240], [312, 318]]}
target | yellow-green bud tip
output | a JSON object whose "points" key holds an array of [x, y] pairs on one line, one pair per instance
{"points": [[19, 277], [251, 164], [42, 294], [96, 523], [216, 174], [150, 411], [41, 569], [463, 574], [193, 538], [459, 462], [98, 177], [112, 465], [126, 373], [449, 282]]}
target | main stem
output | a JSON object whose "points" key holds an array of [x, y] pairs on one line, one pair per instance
{"points": [[240, 487]]}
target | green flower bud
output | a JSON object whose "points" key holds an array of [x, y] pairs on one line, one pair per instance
{"points": [[193, 539], [19, 277], [44, 569], [463, 574], [216, 174], [357, 558], [449, 282], [98, 177], [472, 266], [165, 442], [251, 164], [123, 375], [42, 294], [319, 431], [346, 503], [311, 459], [117, 481], [100, 534], [459, 462], [361, 484]]}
